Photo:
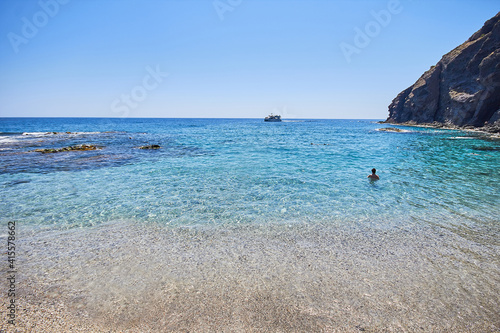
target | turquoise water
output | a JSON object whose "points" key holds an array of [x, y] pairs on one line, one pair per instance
{"points": [[244, 171], [272, 215]]}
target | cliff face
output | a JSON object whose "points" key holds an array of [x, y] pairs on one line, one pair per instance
{"points": [[463, 89]]}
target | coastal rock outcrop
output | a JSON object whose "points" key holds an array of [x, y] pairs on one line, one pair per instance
{"points": [[462, 90], [70, 148]]}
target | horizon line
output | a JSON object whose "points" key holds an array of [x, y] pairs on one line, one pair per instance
{"points": [[78, 117]]}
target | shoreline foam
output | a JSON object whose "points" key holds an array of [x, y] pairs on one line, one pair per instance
{"points": [[495, 135]]}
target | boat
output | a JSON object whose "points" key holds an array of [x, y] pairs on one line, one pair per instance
{"points": [[272, 117]]}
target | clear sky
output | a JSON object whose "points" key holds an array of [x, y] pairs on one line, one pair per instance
{"points": [[222, 58]]}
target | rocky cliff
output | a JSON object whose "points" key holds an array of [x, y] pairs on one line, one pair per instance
{"points": [[462, 90]]}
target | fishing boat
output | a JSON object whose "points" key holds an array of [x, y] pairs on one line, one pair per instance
{"points": [[272, 117]]}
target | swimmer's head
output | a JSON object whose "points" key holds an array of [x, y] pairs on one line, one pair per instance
{"points": [[374, 170]]}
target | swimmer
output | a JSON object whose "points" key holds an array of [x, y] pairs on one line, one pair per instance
{"points": [[373, 176]]}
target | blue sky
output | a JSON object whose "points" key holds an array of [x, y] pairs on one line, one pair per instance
{"points": [[222, 58]]}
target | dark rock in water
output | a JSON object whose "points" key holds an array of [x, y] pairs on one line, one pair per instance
{"points": [[70, 148], [463, 89], [150, 147]]}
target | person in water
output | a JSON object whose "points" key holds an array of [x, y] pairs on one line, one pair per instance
{"points": [[373, 176]]}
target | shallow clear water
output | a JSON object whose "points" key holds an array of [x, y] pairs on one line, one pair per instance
{"points": [[242, 171], [274, 215]]}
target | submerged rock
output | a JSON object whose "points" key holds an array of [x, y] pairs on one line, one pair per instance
{"points": [[462, 90], [70, 148], [150, 147]]}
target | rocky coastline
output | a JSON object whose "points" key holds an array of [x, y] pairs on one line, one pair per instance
{"points": [[82, 147], [487, 131], [462, 91]]}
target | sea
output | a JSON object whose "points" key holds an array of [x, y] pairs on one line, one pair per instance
{"points": [[245, 225]]}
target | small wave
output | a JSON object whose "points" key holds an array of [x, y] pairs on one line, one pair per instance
{"points": [[61, 133], [462, 138], [393, 130], [17, 181], [487, 148], [37, 133], [7, 139]]}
